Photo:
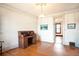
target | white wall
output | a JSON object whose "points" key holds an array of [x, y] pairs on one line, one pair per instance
{"points": [[71, 35], [47, 35], [13, 21], [0, 25]]}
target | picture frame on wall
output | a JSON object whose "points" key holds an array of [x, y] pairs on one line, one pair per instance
{"points": [[71, 26], [44, 27]]}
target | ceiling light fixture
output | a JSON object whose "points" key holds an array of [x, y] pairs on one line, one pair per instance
{"points": [[42, 5]]}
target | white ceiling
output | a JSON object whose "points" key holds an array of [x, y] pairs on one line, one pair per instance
{"points": [[50, 8]]}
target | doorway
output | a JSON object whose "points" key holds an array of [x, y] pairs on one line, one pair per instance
{"points": [[58, 33]]}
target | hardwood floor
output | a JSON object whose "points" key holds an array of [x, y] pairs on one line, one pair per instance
{"points": [[44, 49]]}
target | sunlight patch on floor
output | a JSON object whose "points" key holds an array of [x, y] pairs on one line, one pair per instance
{"points": [[58, 47], [58, 39]]}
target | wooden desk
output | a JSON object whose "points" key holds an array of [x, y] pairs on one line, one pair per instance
{"points": [[26, 38]]}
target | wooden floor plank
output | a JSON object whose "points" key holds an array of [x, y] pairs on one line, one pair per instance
{"points": [[44, 49]]}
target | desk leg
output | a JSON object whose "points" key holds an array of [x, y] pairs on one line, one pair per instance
{"points": [[1, 51]]}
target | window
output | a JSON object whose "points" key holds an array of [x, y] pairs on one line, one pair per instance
{"points": [[58, 28]]}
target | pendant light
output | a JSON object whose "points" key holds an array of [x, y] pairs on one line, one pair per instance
{"points": [[42, 10]]}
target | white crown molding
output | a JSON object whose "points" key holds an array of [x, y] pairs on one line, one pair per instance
{"points": [[11, 8]]}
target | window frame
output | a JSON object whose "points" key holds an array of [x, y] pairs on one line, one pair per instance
{"points": [[56, 28]]}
